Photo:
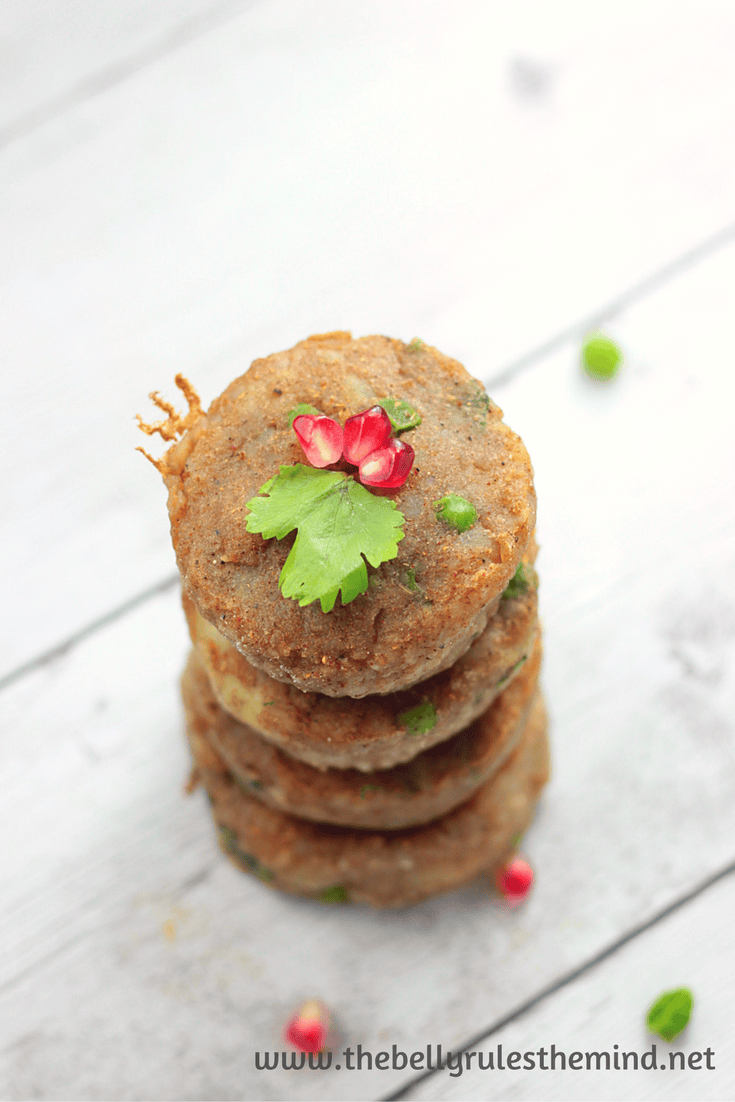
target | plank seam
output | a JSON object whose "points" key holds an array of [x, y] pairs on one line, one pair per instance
{"points": [[576, 331], [104, 80], [11, 982], [570, 977], [646, 286], [95, 625]]}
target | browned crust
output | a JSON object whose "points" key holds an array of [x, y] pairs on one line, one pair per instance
{"points": [[384, 869], [368, 734], [430, 784], [175, 424], [391, 636]]}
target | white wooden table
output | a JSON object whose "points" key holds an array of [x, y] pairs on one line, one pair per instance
{"points": [[189, 184]]}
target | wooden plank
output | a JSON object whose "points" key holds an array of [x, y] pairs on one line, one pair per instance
{"points": [[480, 178], [606, 1009], [122, 924], [54, 56]]}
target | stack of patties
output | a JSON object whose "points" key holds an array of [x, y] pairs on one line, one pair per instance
{"points": [[362, 698]]}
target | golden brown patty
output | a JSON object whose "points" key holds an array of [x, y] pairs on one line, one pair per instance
{"points": [[385, 869], [422, 609], [391, 799], [375, 732]]}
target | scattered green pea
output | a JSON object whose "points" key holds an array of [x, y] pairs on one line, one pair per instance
{"points": [[456, 512], [601, 357], [670, 1013]]}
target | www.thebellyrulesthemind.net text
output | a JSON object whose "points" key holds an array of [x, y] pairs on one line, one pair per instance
{"points": [[456, 1063]]}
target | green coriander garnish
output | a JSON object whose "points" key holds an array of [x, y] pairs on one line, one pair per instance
{"points": [[420, 719], [297, 411], [402, 416], [512, 670], [411, 582], [335, 894], [670, 1013], [479, 402], [517, 585], [228, 839], [340, 525], [456, 512], [601, 357], [416, 345], [370, 788]]}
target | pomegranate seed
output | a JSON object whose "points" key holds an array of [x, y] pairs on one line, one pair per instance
{"points": [[366, 432], [320, 437], [308, 1029], [514, 880], [387, 467]]}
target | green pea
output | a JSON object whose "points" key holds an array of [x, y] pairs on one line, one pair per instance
{"points": [[601, 357], [670, 1013], [456, 512]]}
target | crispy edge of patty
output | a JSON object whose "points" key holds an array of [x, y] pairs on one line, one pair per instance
{"points": [[429, 785], [389, 637], [374, 732], [383, 869]]}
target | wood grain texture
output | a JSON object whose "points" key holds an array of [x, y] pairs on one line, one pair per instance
{"points": [[122, 909], [55, 56], [607, 1007], [220, 204], [481, 179]]}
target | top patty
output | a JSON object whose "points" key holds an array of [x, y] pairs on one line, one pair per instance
{"points": [[421, 609]]}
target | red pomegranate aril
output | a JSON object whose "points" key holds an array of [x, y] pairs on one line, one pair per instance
{"points": [[366, 432], [515, 880], [320, 437], [307, 1030], [387, 467]]}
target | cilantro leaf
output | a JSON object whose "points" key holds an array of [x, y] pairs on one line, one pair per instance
{"points": [[340, 524]]}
